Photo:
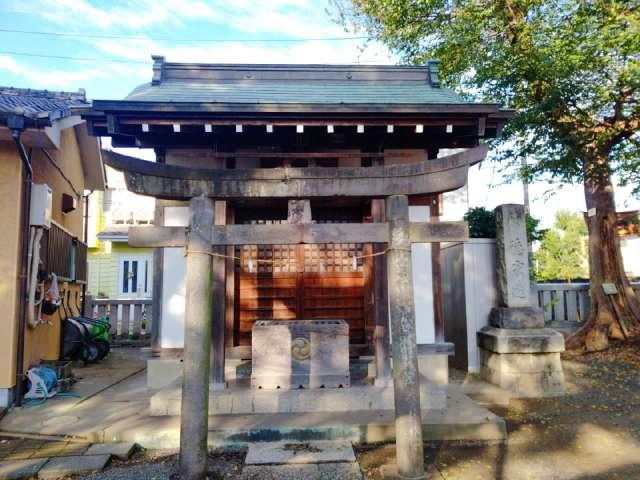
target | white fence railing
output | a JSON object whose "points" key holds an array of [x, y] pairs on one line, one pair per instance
{"points": [[566, 301], [130, 318]]}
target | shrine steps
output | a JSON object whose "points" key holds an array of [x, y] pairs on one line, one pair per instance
{"points": [[462, 420], [242, 400]]}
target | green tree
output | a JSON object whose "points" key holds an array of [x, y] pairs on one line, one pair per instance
{"points": [[571, 71], [482, 224], [562, 254]]}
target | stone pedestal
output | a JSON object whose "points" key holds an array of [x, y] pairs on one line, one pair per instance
{"points": [[516, 351], [525, 361]]}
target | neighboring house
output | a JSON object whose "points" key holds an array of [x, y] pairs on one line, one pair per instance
{"points": [[40, 132], [115, 269]]}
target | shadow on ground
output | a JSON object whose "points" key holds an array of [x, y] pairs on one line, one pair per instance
{"points": [[593, 432]]}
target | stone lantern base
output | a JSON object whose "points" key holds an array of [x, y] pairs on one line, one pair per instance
{"points": [[524, 361]]}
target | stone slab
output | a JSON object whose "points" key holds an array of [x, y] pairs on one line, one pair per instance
{"points": [[516, 317], [283, 453], [60, 449], [18, 469], [512, 256], [121, 450], [328, 471], [532, 340], [61, 467], [163, 371]]}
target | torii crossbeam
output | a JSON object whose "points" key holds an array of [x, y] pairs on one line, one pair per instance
{"points": [[202, 235]]}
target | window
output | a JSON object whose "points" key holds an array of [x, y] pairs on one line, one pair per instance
{"points": [[134, 276]]}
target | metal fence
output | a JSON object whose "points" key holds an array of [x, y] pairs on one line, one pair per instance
{"points": [[130, 318], [566, 301]]}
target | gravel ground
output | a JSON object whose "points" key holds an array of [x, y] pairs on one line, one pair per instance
{"points": [[162, 465], [592, 433]]}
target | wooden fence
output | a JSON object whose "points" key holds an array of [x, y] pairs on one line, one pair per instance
{"points": [[566, 301], [130, 318]]}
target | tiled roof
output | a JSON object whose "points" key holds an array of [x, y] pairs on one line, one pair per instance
{"points": [[270, 91], [294, 84], [34, 102]]}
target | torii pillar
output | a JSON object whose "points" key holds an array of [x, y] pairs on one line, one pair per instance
{"points": [[194, 413], [406, 383]]}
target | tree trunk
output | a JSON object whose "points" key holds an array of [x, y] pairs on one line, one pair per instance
{"points": [[614, 316]]}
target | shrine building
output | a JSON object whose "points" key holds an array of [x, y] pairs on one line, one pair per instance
{"points": [[297, 193]]}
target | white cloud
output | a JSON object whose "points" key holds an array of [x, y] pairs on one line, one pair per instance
{"points": [[287, 18], [305, 52], [62, 79], [127, 15]]}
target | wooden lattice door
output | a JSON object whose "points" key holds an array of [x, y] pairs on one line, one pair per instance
{"points": [[288, 282]]}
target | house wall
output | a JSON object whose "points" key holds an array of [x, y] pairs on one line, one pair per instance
{"points": [[104, 263], [42, 342], [10, 194]]}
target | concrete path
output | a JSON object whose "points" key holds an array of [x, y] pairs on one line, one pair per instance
{"points": [[110, 391], [51, 459]]}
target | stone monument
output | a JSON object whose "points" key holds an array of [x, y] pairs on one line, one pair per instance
{"points": [[516, 351]]}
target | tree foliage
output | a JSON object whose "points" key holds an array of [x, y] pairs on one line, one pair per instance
{"points": [[482, 224], [570, 69], [562, 254]]}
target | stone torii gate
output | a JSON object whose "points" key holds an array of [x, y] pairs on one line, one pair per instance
{"points": [[202, 236]]}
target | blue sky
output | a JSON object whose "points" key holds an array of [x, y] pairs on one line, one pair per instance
{"points": [[117, 39], [177, 29]]}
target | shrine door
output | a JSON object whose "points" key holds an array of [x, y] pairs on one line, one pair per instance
{"points": [[303, 282]]}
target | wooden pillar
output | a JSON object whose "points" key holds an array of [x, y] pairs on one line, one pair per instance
{"points": [[382, 345], [230, 287], [218, 293], [406, 386], [156, 298], [436, 275], [197, 342]]}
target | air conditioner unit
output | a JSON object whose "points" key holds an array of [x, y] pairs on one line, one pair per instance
{"points": [[41, 204]]}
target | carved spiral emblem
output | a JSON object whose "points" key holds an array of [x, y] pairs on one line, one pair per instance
{"points": [[300, 348]]}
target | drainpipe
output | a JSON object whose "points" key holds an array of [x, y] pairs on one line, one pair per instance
{"points": [[85, 237], [16, 124]]}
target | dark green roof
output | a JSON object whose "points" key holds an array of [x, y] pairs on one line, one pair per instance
{"points": [[293, 92], [295, 84]]}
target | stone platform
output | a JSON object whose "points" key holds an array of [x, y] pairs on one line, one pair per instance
{"points": [[115, 408], [240, 400]]}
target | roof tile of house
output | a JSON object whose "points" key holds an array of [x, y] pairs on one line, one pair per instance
{"points": [[33, 102]]}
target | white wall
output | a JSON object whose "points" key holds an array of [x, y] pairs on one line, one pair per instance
{"points": [[630, 247], [174, 270], [422, 281], [469, 292]]}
